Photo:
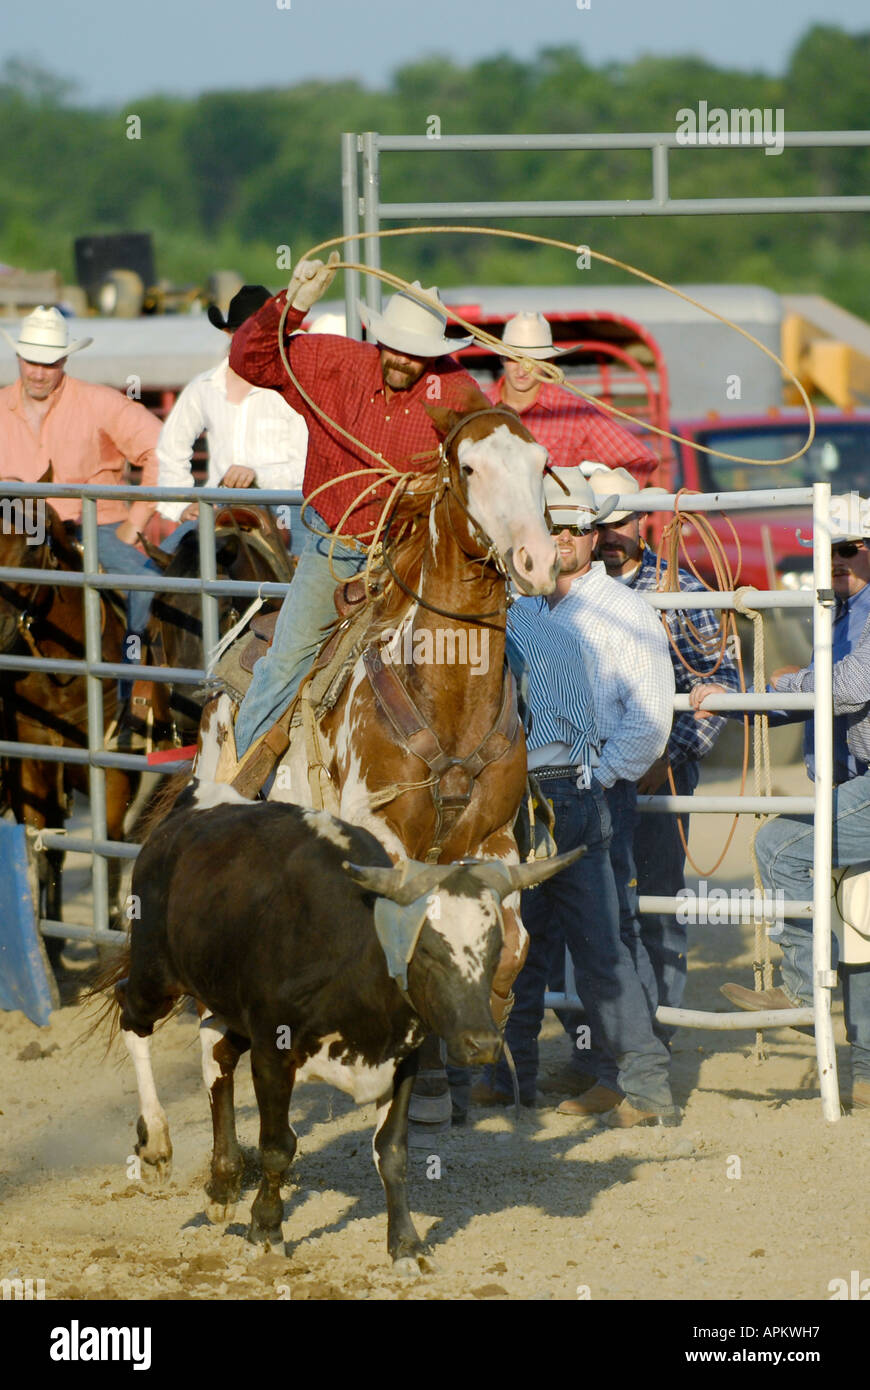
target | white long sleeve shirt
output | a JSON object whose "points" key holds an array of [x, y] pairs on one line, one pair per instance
{"points": [[630, 671], [261, 432]]}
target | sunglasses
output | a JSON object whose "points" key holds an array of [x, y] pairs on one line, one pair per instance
{"points": [[556, 529], [847, 550]]}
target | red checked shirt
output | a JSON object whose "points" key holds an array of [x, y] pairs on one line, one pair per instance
{"points": [[572, 430], [344, 378]]}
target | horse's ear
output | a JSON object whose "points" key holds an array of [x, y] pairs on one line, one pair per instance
{"points": [[48, 475], [443, 418], [63, 546]]}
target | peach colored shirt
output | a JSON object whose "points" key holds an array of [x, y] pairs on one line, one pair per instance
{"points": [[86, 435]]}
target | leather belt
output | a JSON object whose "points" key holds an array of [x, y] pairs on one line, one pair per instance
{"points": [[549, 774]]}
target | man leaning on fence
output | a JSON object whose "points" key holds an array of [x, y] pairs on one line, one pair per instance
{"points": [[83, 433], [784, 845]]}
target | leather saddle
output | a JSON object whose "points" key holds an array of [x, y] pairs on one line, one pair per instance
{"points": [[348, 598]]}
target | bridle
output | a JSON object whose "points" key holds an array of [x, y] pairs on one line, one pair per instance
{"points": [[445, 484]]}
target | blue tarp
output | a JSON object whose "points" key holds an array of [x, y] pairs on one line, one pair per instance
{"points": [[26, 981]]}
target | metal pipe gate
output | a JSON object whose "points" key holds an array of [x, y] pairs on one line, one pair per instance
{"points": [[96, 670]]}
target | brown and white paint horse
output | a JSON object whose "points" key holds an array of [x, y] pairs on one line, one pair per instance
{"points": [[475, 523]]}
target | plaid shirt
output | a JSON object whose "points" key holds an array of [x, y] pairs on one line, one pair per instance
{"points": [[344, 378], [690, 738], [571, 430]]}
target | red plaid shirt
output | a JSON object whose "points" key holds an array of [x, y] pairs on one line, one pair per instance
{"points": [[344, 378], [573, 430]]}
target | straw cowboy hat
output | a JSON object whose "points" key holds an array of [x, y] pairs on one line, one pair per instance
{"points": [[411, 327], [532, 335], [613, 482], [45, 337], [578, 506]]}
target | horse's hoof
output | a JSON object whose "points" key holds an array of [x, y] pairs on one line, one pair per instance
{"points": [[272, 1239], [407, 1267], [219, 1213]]}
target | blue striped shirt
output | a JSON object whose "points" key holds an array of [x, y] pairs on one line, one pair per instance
{"points": [[560, 697]]}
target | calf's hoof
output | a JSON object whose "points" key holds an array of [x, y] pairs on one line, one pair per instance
{"points": [[154, 1148]]}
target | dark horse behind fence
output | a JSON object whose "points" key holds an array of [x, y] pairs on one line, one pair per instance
{"points": [[248, 547], [45, 619]]}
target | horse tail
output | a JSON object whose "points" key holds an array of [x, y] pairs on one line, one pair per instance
{"points": [[159, 806], [103, 993]]}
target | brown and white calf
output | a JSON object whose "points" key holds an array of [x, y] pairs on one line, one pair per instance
{"points": [[266, 914]]}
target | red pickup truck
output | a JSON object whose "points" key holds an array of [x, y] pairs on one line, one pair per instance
{"points": [[771, 553]]}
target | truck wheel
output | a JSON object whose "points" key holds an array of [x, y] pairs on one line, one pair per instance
{"points": [[221, 286], [121, 295]]}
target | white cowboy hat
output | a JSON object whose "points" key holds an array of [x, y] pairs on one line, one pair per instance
{"points": [[532, 334], [615, 482], [578, 506], [411, 327], [45, 337]]}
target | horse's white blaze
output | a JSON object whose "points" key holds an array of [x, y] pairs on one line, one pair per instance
{"points": [[211, 794], [357, 1079], [506, 499], [150, 1109], [328, 828], [465, 924]]}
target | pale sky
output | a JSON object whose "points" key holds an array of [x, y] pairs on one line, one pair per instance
{"points": [[116, 50]]}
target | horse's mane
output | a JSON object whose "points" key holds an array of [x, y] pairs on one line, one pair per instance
{"points": [[407, 538]]}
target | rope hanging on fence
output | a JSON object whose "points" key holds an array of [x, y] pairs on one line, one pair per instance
{"points": [[761, 966]]}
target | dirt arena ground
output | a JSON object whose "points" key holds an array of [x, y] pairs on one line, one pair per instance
{"points": [[753, 1197]]}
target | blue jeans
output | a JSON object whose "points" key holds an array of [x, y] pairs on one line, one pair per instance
{"points": [[661, 866], [785, 858], [171, 543], [118, 557], [580, 905], [305, 612]]}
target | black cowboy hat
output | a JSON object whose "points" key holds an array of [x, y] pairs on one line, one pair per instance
{"points": [[249, 299]]}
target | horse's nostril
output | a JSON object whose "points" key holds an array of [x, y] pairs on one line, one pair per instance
{"points": [[527, 563]]}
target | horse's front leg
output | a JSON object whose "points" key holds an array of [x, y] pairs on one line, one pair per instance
{"points": [[390, 1152]]}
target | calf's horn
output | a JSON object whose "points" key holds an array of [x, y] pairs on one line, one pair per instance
{"points": [[514, 878], [403, 883]]}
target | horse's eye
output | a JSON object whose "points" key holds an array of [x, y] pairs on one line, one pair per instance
{"points": [[467, 469]]}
